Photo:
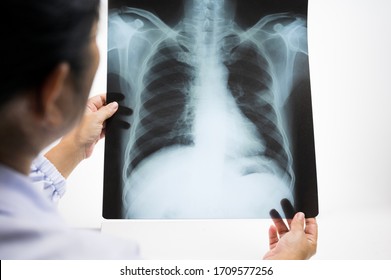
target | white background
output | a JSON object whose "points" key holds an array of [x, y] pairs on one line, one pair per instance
{"points": [[350, 60]]}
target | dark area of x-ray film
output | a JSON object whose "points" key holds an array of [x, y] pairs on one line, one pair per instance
{"points": [[215, 118]]}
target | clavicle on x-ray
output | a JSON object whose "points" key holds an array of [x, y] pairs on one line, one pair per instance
{"points": [[209, 120]]}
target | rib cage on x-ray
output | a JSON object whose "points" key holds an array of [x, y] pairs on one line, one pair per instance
{"points": [[211, 95]]}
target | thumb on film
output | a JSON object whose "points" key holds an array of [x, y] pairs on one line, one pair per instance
{"points": [[297, 223], [107, 111]]}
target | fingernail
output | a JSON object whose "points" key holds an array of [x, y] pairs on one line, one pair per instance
{"points": [[300, 216], [113, 105]]}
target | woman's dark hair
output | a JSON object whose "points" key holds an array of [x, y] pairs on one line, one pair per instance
{"points": [[37, 35]]}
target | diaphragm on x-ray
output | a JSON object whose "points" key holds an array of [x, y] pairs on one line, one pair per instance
{"points": [[215, 118]]}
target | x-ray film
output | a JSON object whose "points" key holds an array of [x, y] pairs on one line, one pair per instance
{"points": [[215, 118]]}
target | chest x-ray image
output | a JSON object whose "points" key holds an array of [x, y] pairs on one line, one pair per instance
{"points": [[215, 118]]}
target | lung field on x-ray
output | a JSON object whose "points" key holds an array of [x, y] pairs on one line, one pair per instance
{"points": [[209, 136]]}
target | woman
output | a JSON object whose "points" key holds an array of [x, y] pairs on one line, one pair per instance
{"points": [[49, 61]]}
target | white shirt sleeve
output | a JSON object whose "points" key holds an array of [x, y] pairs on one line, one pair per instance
{"points": [[47, 178], [32, 228]]}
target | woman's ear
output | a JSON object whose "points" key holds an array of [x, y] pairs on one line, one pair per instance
{"points": [[50, 94]]}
